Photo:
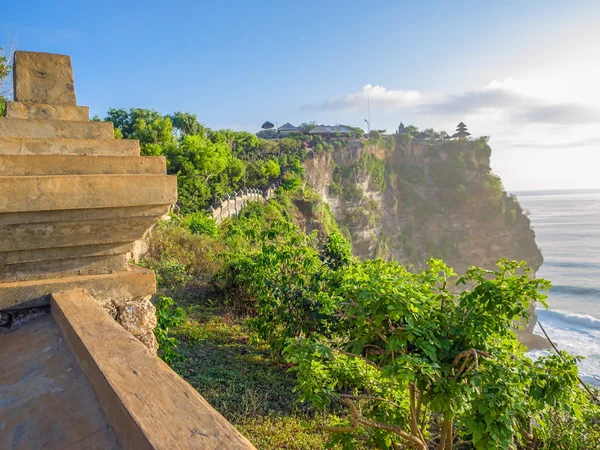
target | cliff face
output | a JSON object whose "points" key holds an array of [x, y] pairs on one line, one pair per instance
{"points": [[408, 201]]}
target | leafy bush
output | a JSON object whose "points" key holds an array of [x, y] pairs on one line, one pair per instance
{"points": [[168, 317], [201, 223], [408, 356], [353, 192]]}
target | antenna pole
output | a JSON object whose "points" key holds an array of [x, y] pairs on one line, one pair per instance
{"points": [[369, 108]]}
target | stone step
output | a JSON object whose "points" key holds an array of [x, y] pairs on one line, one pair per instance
{"points": [[116, 287], [10, 145], [41, 270], [56, 129], [56, 192], [62, 253], [31, 165], [41, 111], [69, 215], [35, 236]]}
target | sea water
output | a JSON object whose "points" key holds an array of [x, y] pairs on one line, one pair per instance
{"points": [[567, 229]]}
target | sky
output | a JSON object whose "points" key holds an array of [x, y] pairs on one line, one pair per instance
{"points": [[525, 73]]}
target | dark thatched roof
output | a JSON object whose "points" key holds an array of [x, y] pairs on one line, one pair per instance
{"points": [[267, 125], [461, 133]]}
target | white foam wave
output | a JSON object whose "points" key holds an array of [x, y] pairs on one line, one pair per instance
{"points": [[574, 319], [578, 334]]}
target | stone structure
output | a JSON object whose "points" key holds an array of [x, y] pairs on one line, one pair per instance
{"points": [[73, 200], [232, 205]]}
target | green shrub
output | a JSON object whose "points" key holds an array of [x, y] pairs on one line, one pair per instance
{"points": [[168, 317], [200, 223], [353, 192]]}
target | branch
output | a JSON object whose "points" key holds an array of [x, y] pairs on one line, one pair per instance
{"points": [[467, 354], [369, 397], [585, 386], [357, 418], [338, 429], [360, 357]]}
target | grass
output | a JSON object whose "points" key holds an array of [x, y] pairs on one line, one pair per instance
{"points": [[241, 381]]}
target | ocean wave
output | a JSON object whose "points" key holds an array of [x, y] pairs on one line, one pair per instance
{"points": [[575, 319], [566, 289], [574, 261]]}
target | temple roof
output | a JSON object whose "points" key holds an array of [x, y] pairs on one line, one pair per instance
{"points": [[267, 125], [288, 127], [461, 133]]}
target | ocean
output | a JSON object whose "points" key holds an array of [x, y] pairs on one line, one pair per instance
{"points": [[567, 229]]}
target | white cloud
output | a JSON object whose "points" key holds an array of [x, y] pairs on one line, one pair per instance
{"points": [[378, 96], [504, 98]]}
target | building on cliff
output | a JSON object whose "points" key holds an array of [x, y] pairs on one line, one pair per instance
{"points": [[329, 132], [461, 132], [287, 129]]}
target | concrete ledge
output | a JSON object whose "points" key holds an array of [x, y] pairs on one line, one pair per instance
{"points": [[56, 129], [41, 111], [119, 287], [57, 268], [35, 165], [147, 404], [70, 215], [11, 145], [73, 234], [58, 192], [57, 253]]}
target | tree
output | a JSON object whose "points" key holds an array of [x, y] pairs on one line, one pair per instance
{"points": [[409, 356], [186, 123], [5, 70], [307, 126], [271, 168]]}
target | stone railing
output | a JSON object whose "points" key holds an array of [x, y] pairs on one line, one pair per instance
{"points": [[232, 205]]}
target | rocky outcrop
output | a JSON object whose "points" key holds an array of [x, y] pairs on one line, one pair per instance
{"points": [[419, 200], [74, 199]]}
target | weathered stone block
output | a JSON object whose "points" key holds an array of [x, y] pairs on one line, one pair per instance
{"points": [[43, 78], [41, 111], [20, 145], [32, 165], [61, 129], [45, 193], [117, 288]]}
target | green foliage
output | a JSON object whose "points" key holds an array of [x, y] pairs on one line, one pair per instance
{"points": [[353, 192], [168, 317], [408, 352], [201, 223], [282, 278], [210, 163], [5, 69], [375, 168]]}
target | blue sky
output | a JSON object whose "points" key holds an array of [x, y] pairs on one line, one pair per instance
{"points": [[523, 72]]}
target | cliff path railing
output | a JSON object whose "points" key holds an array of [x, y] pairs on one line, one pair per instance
{"points": [[232, 205]]}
